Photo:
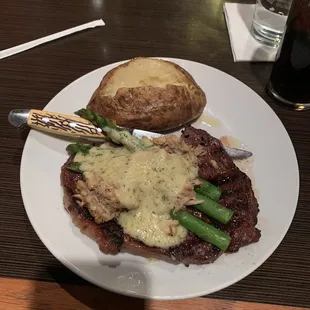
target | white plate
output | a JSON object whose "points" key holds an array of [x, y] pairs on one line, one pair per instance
{"points": [[243, 115]]}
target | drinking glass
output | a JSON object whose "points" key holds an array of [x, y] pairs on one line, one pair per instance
{"points": [[269, 20], [289, 82]]}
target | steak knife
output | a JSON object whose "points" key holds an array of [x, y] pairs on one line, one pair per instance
{"points": [[77, 127]]}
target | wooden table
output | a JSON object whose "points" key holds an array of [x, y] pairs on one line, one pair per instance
{"points": [[31, 277]]}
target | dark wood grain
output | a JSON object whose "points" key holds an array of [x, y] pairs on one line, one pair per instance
{"points": [[193, 30]]}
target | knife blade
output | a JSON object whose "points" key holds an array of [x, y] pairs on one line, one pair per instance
{"points": [[234, 153], [77, 127]]}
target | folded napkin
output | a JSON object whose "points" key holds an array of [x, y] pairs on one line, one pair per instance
{"points": [[244, 47], [26, 46]]}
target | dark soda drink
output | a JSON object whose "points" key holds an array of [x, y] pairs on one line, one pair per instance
{"points": [[290, 77]]}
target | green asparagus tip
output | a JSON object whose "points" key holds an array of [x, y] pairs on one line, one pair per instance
{"points": [[77, 147], [83, 113], [96, 119], [75, 167]]}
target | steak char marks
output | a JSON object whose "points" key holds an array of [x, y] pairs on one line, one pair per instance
{"points": [[237, 193], [216, 166]]}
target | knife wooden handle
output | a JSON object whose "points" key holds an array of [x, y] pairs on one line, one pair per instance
{"points": [[62, 124]]}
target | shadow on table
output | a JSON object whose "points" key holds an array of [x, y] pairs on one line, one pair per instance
{"points": [[87, 296], [97, 298], [261, 69]]}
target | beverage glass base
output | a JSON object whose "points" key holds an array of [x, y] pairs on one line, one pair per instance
{"points": [[283, 102], [266, 35]]}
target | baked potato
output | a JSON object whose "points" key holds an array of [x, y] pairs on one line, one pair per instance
{"points": [[149, 94]]}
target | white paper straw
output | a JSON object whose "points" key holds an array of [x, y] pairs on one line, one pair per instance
{"points": [[26, 46]]}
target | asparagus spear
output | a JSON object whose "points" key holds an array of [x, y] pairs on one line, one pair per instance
{"points": [[113, 132], [214, 209], [96, 119], [75, 166], [198, 227], [77, 147], [203, 230], [209, 190]]}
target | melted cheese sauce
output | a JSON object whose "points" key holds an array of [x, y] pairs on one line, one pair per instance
{"points": [[148, 183], [151, 228]]}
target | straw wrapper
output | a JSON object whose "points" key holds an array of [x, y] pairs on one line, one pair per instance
{"points": [[26, 46]]}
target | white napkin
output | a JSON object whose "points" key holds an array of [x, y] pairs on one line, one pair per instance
{"points": [[244, 47], [26, 46]]}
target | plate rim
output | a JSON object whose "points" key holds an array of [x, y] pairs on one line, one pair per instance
{"points": [[81, 274]]}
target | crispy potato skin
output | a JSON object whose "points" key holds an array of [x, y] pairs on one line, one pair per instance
{"points": [[150, 107]]}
